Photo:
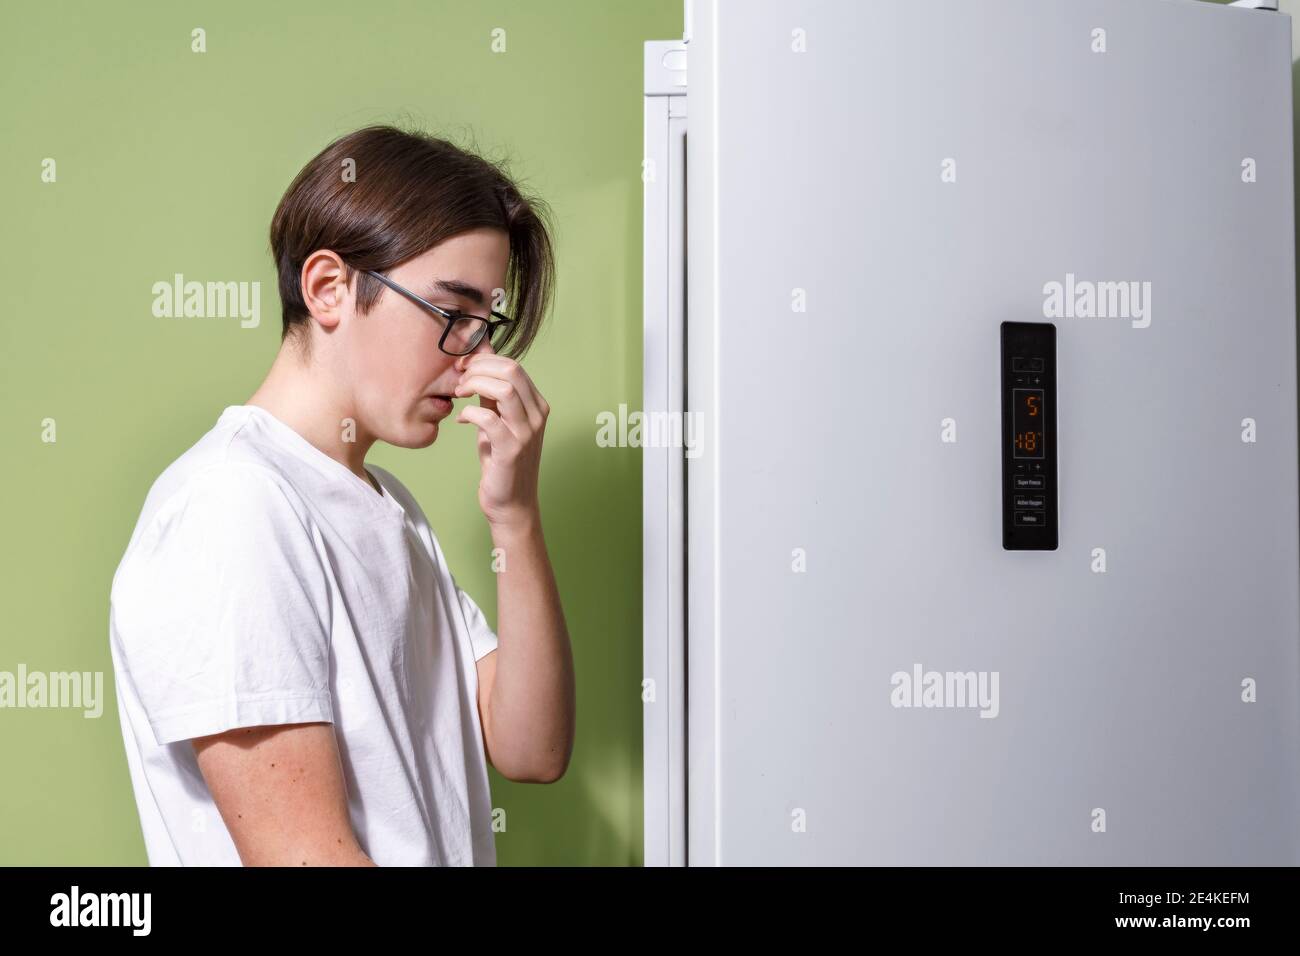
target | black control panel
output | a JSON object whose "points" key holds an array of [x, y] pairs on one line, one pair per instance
{"points": [[1029, 503]]}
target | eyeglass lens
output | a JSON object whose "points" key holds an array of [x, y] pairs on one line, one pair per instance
{"points": [[465, 334]]}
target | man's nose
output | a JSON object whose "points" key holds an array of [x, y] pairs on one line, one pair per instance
{"points": [[484, 346]]}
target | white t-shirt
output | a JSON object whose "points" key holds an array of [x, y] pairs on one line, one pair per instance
{"points": [[266, 583]]}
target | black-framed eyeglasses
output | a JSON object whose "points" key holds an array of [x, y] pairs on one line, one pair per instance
{"points": [[464, 332]]}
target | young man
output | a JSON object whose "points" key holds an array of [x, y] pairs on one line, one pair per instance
{"points": [[300, 679]]}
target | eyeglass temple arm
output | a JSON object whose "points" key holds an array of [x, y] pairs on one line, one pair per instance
{"points": [[408, 293], [442, 312]]}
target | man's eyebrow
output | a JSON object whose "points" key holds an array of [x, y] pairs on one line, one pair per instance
{"points": [[452, 287]]}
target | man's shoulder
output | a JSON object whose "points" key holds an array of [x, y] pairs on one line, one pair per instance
{"points": [[235, 476], [222, 476], [212, 512]]}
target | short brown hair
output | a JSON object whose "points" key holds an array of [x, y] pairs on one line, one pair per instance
{"points": [[411, 192]]}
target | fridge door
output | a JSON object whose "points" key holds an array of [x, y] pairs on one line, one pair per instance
{"points": [[883, 665]]}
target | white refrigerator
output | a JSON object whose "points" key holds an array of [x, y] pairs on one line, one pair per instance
{"points": [[970, 435]]}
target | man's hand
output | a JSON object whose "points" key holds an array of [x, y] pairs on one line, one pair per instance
{"points": [[511, 416], [281, 793]]}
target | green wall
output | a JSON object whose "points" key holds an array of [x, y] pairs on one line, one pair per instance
{"points": [[173, 161]]}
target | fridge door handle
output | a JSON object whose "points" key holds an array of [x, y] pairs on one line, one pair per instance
{"points": [[663, 467]]}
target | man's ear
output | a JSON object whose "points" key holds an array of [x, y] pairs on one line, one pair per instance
{"points": [[324, 288]]}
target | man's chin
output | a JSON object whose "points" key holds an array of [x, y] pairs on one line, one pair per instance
{"points": [[421, 433]]}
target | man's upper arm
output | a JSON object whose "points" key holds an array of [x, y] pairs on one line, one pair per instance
{"points": [[281, 792]]}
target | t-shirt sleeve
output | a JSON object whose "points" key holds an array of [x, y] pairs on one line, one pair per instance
{"points": [[481, 637], [223, 616]]}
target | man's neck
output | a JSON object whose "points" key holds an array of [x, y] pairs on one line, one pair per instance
{"points": [[292, 392]]}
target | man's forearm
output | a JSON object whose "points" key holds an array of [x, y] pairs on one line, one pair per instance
{"points": [[532, 705]]}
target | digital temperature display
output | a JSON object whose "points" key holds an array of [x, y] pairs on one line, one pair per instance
{"points": [[1027, 422], [1030, 505]]}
